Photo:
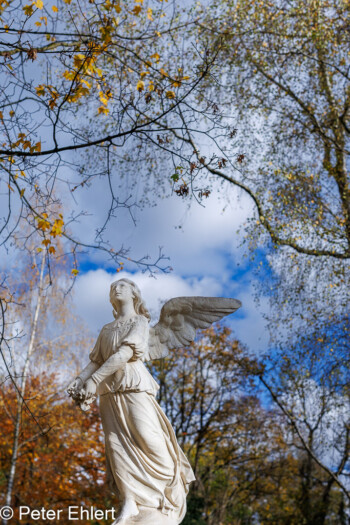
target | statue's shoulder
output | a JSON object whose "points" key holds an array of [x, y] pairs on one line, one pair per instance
{"points": [[142, 319], [109, 326]]}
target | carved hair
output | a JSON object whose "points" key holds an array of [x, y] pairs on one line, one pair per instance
{"points": [[139, 305]]}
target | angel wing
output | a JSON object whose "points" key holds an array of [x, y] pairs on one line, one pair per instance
{"points": [[181, 317]]}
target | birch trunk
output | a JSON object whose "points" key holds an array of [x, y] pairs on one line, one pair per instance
{"points": [[22, 391]]}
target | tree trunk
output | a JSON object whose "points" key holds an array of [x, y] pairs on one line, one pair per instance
{"points": [[22, 390]]}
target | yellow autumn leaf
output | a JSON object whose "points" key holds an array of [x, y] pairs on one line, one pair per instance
{"points": [[156, 57], [140, 85], [170, 94], [179, 81], [104, 97], [103, 110], [149, 13], [28, 10], [40, 90], [43, 224], [87, 84], [57, 228], [78, 60], [39, 4], [74, 271], [54, 9], [69, 75], [137, 9]]}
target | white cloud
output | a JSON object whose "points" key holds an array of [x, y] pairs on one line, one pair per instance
{"points": [[199, 240]]}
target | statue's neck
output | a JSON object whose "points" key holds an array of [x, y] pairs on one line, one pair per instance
{"points": [[125, 311]]}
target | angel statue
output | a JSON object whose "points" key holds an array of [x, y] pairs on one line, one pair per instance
{"points": [[146, 468]]}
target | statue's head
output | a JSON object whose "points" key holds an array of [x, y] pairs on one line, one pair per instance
{"points": [[127, 288]]}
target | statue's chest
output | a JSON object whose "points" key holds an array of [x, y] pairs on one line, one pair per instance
{"points": [[113, 336]]}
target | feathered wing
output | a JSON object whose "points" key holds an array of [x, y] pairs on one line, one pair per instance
{"points": [[181, 317]]}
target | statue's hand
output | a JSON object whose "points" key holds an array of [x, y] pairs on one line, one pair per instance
{"points": [[75, 386], [90, 389], [82, 394]]}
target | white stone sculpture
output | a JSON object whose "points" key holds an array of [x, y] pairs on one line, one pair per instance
{"points": [[146, 467]]}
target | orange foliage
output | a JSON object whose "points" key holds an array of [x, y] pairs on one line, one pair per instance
{"points": [[63, 467]]}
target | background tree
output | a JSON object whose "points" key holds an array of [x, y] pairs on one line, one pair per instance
{"points": [[309, 384], [107, 79], [286, 73], [61, 468], [250, 464], [286, 76], [40, 335], [282, 75]]}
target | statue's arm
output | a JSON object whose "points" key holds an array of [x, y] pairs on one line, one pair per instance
{"points": [[113, 363], [88, 371], [78, 382]]}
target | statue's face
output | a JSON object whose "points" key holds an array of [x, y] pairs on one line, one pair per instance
{"points": [[123, 292]]}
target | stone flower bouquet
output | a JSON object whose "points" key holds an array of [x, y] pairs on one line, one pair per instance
{"points": [[77, 393]]}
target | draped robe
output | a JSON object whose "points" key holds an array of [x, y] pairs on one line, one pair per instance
{"points": [[144, 459]]}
